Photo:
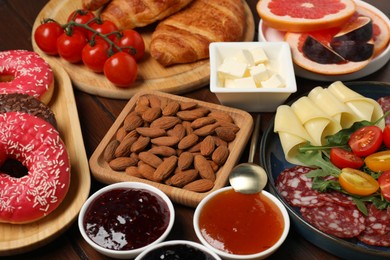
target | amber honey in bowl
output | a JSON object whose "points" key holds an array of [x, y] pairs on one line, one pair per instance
{"points": [[241, 224]]}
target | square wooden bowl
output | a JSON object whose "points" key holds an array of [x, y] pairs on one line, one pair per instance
{"points": [[103, 173]]}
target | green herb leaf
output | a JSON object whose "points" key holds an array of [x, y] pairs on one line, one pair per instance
{"points": [[315, 159]]}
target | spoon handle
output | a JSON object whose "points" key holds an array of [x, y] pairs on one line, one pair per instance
{"points": [[254, 139]]}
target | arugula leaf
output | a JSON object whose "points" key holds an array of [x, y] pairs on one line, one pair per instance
{"points": [[325, 185], [315, 159], [360, 205], [341, 137]]}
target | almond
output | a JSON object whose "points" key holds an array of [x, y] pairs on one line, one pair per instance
{"points": [[232, 126], [201, 185], [150, 158], [181, 178], [206, 130], [121, 163], [146, 171], [165, 168], [188, 141], [140, 145], [225, 133], [185, 161], [203, 121], [109, 152], [164, 151], [221, 116], [120, 133], [191, 115], [220, 155], [140, 108], [132, 122], [188, 105], [143, 100], [207, 146], [171, 108], [151, 114], [123, 148], [133, 171], [195, 148], [204, 167], [219, 142], [151, 132], [179, 131], [165, 140], [154, 101], [187, 127], [165, 122]]}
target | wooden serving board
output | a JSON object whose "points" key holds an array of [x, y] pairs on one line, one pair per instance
{"points": [[103, 173], [19, 238], [151, 75]]}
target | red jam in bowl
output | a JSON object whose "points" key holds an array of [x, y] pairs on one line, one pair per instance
{"points": [[126, 219], [241, 224]]}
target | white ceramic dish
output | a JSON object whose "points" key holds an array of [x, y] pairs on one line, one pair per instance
{"points": [[253, 99], [225, 255], [267, 34], [189, 246], [125, 254]]}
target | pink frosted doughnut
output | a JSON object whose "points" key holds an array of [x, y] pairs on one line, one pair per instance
{"points": [[38, 146], [26, 72]]}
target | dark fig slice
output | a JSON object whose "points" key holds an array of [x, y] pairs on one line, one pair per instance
{"points": [[360, 29], [354, 50], [318, 52]]}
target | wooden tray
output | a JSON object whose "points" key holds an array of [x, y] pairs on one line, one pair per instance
{"points": [[16, 239], [103, 173], [152, 76]]}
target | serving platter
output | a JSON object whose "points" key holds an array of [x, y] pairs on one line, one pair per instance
{"points": [[273, 160], [19, 238], [151, 75]]}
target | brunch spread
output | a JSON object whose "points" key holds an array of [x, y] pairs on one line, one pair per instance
{"points": [[337, 139]]}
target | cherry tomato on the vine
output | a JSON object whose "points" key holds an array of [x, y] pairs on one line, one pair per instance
{"points": [[121, 69], [134, 39], [105, 27], [71, 46], [357, 182], [46, 36], [345, 159], [386, 136], [384, 184], [94, 56], [366, 140], [81, 16], [379, 161]]}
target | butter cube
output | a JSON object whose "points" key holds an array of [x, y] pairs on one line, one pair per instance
{"points": [[259, 55], [247, 82], [229, 83], [244, 56], [259, 73], [231, 69], [275, 81]]}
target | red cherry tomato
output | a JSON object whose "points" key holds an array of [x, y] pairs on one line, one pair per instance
{"points": [[83, 17], [46, 36], [104, 27], [386, 136], [345, 159], [95, 56], [384, 184], [121, 69], [134, 39], [366, 140], [70, 47]]}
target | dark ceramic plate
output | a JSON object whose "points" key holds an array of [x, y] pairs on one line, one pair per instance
{"points": [[272, 159]]}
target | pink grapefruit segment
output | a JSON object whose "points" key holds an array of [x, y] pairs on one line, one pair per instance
{"points": [[305, 15]]}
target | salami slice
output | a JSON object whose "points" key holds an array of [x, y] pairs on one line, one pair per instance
{"points": [[384, 102], [375, 239], [338, 198], [377, 221], [296, 189], [336, 220]]}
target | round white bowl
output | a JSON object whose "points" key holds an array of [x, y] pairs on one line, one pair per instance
{"points": [[225, 255], [268, 34], [195, 246], [125, 254]]}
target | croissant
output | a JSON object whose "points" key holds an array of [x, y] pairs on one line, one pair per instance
{"points": [[93, 5], [185, 36], [128, 14]]}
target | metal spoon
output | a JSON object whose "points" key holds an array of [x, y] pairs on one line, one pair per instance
{"points": [[248, 177]]}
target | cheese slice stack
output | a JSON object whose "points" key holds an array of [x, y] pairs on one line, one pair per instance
{"points": [[325, 111]]}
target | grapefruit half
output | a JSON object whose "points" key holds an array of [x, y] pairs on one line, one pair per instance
{"points": [[305, 15]]}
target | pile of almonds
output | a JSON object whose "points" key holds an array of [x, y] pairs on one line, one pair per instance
{"points": [[176, 143]]}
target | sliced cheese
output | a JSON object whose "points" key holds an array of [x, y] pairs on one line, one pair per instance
{"points": [[342, 92], [336, 109]]}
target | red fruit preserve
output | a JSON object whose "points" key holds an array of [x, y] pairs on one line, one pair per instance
{"points": [[125, 218], [241, 224]]}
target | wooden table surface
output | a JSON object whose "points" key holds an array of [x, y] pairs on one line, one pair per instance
{"points": [[97, 115]]}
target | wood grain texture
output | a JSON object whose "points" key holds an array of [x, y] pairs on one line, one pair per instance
{"points": [[151, 75], [24, 237], [103, 173]]}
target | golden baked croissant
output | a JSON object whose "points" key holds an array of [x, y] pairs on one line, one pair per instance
{"points": [[93, 5], [127, 14], [185, 36]]}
